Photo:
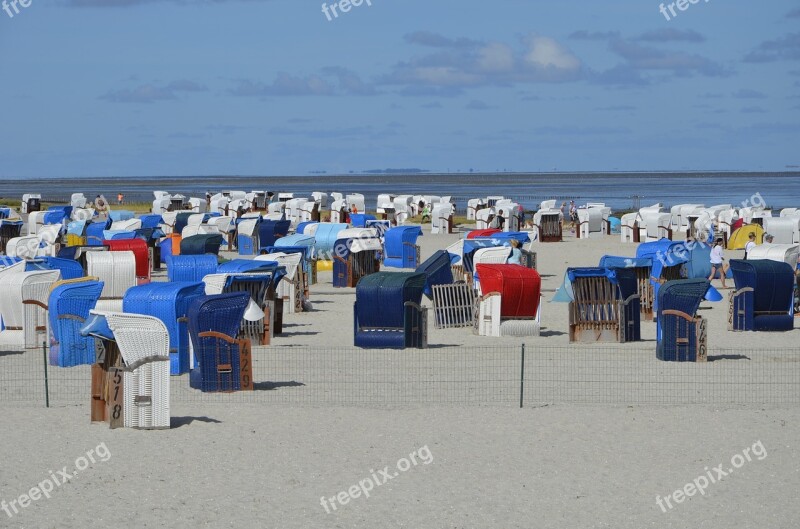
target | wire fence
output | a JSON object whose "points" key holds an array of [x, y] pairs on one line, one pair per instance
{"points": [[500, 376]]}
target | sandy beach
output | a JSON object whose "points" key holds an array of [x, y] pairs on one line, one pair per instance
{"points": [[604, 431]]}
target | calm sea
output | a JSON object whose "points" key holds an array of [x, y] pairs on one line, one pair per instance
{"points": [[618, 190]]}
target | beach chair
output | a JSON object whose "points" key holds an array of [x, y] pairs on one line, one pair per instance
{"points": [[31, 202], [269, 231], [190, 268], [293, 288], [207, 243], [325, 237], [78, 254], [681, 335], [68, 268], [68, 306], [400, 247], [510, 304], [590, 223], [169, 302], [629, 227], [181, 221], [247, 236], [76, 232], [764, 296], [605, 305], [224, 361], [784, 230], [642, 267], [442, 218], [141, 254], [126, 225], [548, 225], [305, 244], [437, 271], [784, 253], [473, 206], [117, 272], [130, 381], [9, 229], [387, 313], [94, 232], [355, 255], [20, 290], [265, 318]]}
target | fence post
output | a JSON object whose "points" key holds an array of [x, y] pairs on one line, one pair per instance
{"points": [[46, 381], [522, 377]]}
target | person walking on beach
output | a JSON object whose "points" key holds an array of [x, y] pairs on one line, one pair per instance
{"points": [[750, 245], [426, 213], [120, 198], [573, 214], [718, 263]]}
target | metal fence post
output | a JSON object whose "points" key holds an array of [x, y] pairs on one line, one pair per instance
{"points": [[522, 377], [46, 381]]}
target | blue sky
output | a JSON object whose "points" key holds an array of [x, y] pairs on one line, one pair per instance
{"points": [[272, 87]]}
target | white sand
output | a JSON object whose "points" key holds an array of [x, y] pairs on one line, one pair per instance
{"points": [[265, 458]]}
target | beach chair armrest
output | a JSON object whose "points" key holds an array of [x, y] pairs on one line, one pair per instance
{"points": [[35, 302], [680, 314], [631, 298], [219, 335]]}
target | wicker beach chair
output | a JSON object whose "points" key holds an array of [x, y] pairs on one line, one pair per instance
{"points": [[681, 335], [224, 361], [510, 305], [206, 243], [19, 323], [400, 247], [437, 271], [356, 254], [68, 307], [190, 268], [293, 288], [605, 307], [169, 302], [140, 252], [117, 272], [387, 312], [764, 296]]}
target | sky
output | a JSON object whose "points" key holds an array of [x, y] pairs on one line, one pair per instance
{"points": [[278, 87]]}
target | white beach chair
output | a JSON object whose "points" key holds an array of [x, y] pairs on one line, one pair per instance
{"points": [[117, 271], [590, 223], [292, 287], [143, 343], [23, 303]]}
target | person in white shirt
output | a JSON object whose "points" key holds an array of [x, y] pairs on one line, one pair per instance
{"points": [[718, 263], [750, 245]]}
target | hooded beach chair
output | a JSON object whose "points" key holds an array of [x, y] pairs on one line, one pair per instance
{"points": [[356, 254], [764, 296], [269, 231], [437, 271], [117, 272], [68, 306], [94, 232], [642, 267], [325, 237], [247, 231], [293, 288], [387, 313], [605, 305], [681, 335], [224, 361], [204, 243], [264, 318], [304, 243], [9, 229], [141, 255], [510, 305], [169, 302], [68, 268], [137, 348], [191, 268], [400, 247], [21, 292]]}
